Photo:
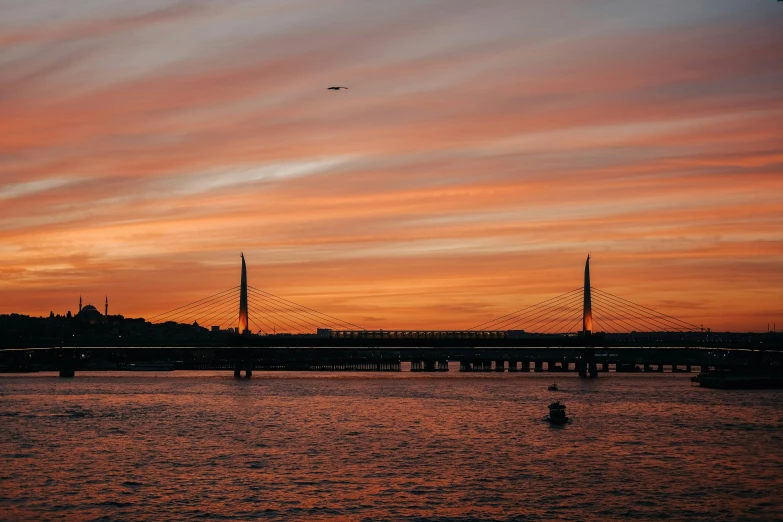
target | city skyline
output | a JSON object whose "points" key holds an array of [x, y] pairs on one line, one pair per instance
{"points": [[479, 154]]}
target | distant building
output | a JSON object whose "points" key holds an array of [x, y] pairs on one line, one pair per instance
{"points": [[215, 328], [90, 314]]}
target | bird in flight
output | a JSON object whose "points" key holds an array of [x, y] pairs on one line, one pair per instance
{"points": [[335, 88]]}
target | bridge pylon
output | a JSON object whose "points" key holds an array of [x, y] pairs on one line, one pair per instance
{"points": [[587, 305], [243, 321]]}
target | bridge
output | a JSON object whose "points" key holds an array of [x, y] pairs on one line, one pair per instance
{"points": [[585, 330]]}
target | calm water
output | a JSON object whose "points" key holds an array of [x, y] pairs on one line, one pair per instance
{"points": [[202, 446]]}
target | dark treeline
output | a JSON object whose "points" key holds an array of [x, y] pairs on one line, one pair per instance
{"points": [[22, 331]]}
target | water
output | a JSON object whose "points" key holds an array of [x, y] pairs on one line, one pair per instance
{"points": [[284, 446]]}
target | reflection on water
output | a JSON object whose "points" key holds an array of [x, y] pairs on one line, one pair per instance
{"points": [[199, 445]]}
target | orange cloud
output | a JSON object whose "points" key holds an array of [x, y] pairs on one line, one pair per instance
{"points": [[465, 173]]}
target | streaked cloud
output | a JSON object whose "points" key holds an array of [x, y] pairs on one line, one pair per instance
{"points": [[481, 150]]}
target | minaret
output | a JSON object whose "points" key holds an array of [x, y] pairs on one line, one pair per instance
{"points": [[587, 313], [80, 303], [106, 307], [242, 327]]}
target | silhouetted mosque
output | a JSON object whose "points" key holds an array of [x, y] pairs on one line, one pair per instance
{"points": [[90, 314]]}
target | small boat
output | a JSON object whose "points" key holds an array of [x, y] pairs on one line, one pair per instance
{"points": [[557, 413], [553, 387]]}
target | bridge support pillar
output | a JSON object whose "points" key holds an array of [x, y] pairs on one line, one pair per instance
{"points": [[67, 363], [538, 366], [647, 368], [417, 365], [660, 368], [551, 366], [500, 365], [512, 365], [587, 366], [464, 366], [526, 366], [688, 368], [239, 365]]}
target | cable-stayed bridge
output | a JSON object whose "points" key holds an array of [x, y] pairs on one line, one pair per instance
{"points": [[245, 328], [585, 311]]}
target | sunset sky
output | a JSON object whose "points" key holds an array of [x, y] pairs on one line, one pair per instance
{"points": [[483, 148]]}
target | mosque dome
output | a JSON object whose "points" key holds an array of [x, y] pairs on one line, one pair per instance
{"points": [[90, 314]]}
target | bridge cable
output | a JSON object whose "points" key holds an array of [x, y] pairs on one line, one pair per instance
{"points": [[284, 317], [229, 318], [674, 319], [508, 320], [577, 316], [201, 311], [259, 328], [224, 319], [530, 323], [194, 302], [563, 318], [547, 316], [262, 322], [524, 313], [270, 312], [537, 315], [215, 315], [193, 309], [657, 322], [306, 317], [306, 308], [601, 328], [578, 320], [678, 323], [643, 321], [498, 319], [619, 327], [557, 316], [621, 317]]}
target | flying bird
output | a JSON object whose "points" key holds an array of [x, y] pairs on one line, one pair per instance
{"points": [[335, 88]]}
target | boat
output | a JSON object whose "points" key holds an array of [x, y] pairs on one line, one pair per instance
{"points": [[553, 387], [557, 413]]}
